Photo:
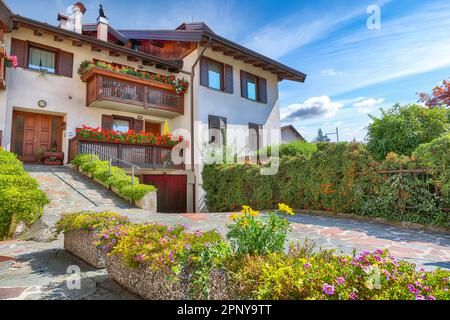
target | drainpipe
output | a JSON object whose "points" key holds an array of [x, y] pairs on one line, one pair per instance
{"points": [[192, 74]]}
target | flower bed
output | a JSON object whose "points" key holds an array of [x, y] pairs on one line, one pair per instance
{"points": [[155, 261], [180, 85], [80, 231], [131, 137]]}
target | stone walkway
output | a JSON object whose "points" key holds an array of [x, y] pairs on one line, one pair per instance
{"points": [[37, 268]]}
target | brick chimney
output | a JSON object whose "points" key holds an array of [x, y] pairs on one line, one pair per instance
{"points": [[102, 28]]}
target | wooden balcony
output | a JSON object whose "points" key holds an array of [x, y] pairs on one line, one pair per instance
{"points": [[144, 156], [110, 90]]}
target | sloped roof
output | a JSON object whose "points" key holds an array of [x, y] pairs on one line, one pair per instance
{"points": [[294, 131], [111, 30]]}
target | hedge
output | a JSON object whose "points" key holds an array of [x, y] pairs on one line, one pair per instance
{"points": [[340, 177], [118, 178], [20, 198]]}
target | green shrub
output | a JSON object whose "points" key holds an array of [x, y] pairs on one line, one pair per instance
{"points": [[8, 157], [292, 149], [81, 159], [12, 169], [118, 181], [18, 181], [91, 167], [102, 173], [136, 192], [90, 221], [20, 204], [402, 129], [258, 235]]}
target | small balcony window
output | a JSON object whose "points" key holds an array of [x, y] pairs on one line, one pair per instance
{"points": [[40, 59], [121, 125]]}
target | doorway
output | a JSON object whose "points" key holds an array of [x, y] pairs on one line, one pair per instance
{"points": [[34, 133], [171, 194]]}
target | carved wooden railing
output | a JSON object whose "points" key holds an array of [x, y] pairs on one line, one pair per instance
{"points": [[122, 88], [144, 156]]}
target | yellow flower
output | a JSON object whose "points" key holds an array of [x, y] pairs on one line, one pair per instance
{"points": [[234, 216], [254, 213], [246, 209], [285, 208], [244, 223]]}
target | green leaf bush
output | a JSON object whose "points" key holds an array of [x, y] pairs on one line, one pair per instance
{"points": [[341, 178], [20, 198], [90, 221], [118, 178]]}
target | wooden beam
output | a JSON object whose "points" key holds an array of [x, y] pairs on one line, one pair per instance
{"points": [[147, 63], [218, 48], [77, 43], [241, 57], [160, 66], [38, 32], [58, 38], [132, 58], [114, 53], [96, 49], [230, 53]]}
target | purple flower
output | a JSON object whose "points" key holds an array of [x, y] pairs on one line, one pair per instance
{"points": [[352, 296], [188, 246], [379, 252], [420, 297], [328, 289], [139, 257], [171, 256], [377, 258], [430, 297], [412, 289], [307, 265], [198, 233], [340, 280]]}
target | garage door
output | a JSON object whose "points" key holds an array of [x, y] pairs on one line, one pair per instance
{"points": [[171, 192]]}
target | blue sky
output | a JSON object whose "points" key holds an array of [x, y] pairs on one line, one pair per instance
{"points": [[352, 71]]}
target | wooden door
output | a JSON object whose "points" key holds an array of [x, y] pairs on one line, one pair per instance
{"points": [[172, 196], [35, 133]]}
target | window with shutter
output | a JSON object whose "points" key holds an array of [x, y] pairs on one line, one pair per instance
{"points": [[66, 64], [253, 87], [228, 79], [19, 49], [262, 87], [217, 130], [138, 125], [107, 122], [216, 75], [204, 71]]}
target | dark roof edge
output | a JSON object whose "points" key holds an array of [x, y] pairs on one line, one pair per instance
{"points": [[256, 55], [6, 16], [176, 65]]}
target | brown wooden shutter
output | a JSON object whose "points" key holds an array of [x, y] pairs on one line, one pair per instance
{"points": [[19, 49], [65, 64], [244, 89], [228, 77], [107, 122], [204, 65], [138, 125], [262, 87]]}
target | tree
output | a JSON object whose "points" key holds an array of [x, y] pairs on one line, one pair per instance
{"points": [[321, 137], [439, 97], [402, 129]]}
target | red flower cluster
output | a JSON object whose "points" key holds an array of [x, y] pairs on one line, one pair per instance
{"points": [[141, 137]]}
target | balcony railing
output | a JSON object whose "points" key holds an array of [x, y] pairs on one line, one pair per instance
{"points": [[107, 89], [144, 156]]}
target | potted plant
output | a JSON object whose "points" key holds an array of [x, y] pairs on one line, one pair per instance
{"points": [[53, 153], [53, 161]]}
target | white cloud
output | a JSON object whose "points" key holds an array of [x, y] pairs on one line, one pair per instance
{"points": [[366, 105], [311, 108], [331, 72]]}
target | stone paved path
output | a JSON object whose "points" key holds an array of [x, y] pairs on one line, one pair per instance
{"points": [[38, 270]]}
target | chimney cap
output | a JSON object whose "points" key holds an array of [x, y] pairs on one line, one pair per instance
{"points": [[81, 6], [62, 17]]}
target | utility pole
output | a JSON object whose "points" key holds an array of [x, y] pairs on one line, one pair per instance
{"points": [[334, 133]]}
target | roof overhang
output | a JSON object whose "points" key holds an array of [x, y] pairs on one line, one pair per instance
{"points": [[238, 52], [96, 44], [6, 15]]}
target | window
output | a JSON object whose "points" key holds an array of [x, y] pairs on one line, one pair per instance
{"points": [[121, 125], [40, 59], [253, 87], [217, 127], [216, 75], [215, 71]]}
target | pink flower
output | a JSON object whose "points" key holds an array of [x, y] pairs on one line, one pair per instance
{"points": [[340, 280], [306, 265], [430, 297], [420, 297], [352, 296], [328, 289]]}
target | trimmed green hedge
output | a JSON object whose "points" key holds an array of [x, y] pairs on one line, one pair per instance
{"points": [[20, 198], [118, 178], [339, 177]]}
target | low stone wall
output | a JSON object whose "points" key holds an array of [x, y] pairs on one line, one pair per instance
{"points": [[81, 244], [153, 285]]}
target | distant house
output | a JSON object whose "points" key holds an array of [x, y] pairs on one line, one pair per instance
{"points": [[289, 134]]}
